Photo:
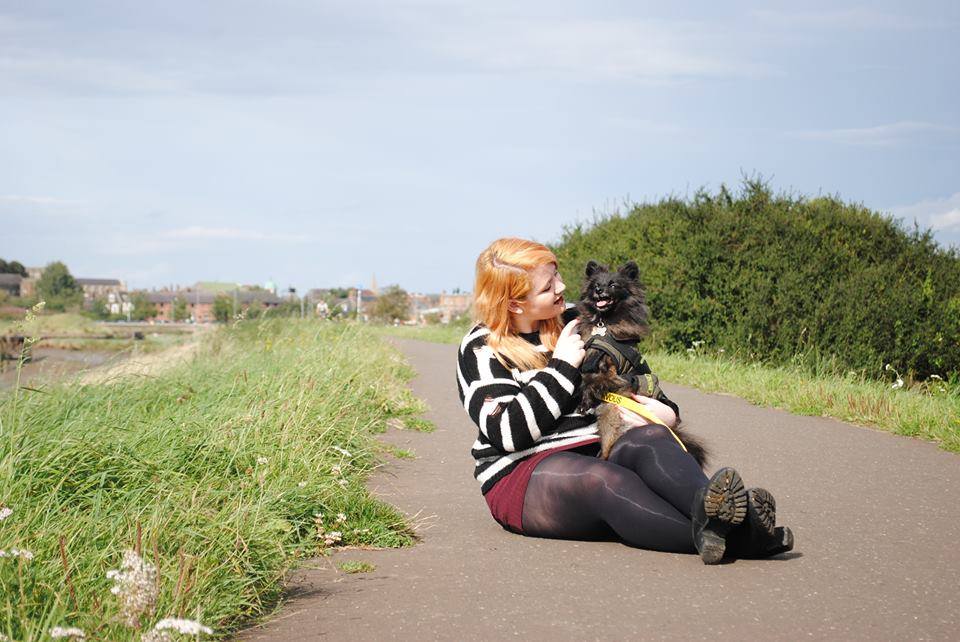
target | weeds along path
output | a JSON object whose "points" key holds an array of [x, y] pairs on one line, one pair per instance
{"points": [[221, 470], [874, 516], [146, 365]]}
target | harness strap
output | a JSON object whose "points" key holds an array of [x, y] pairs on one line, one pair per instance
{"points": [[641, 410], [626, 357]]}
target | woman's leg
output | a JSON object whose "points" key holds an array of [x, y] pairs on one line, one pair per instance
{"points": [[653, 454], [572, 496]]}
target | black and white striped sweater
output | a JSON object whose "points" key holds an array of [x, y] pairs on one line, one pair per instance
{"points": [[518, 412]]}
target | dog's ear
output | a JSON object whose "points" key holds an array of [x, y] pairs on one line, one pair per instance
{"points": [[630, 270], [592, 266]]}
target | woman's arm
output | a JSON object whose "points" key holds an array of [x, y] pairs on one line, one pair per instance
{"points": [[512, 416], [662, 411]]}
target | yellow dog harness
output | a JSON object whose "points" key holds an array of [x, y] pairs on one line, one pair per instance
{"points": [[641, 410]]}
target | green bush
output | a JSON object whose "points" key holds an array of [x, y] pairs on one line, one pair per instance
{"points": [[783, 278]]}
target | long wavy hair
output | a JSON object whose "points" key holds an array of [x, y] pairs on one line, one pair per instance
{"points": [[503, 273]]}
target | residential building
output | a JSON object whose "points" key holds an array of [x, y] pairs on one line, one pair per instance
{"points": [[199, 304], [454, 305], [10, 283], [100, 288]]}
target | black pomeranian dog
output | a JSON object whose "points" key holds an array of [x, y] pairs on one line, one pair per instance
{"points": [[613, 318]]}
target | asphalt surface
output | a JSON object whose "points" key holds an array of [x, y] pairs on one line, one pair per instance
{"points": [[875, 518]]}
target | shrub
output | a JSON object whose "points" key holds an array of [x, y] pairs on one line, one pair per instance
{"points": [[785, 278]]}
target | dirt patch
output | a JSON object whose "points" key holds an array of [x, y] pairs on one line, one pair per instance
{"points": [[147, 365]]}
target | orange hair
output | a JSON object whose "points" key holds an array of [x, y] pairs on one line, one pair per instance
{"points": [[503, 273]]}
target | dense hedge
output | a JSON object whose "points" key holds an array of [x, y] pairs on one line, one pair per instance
{"points": [[783, 278]]}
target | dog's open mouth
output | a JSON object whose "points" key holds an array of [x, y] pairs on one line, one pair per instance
{"points": [[603, 304]]}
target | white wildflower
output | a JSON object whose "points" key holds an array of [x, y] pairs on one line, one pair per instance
{"points": [[318, 517], [70, 632], [187, 627], [4, 638], [262, 460], [5, 512], [342, 451], [341, 517], [897, 384], [135, 585], [156, 636], [887, 367], [302, 484], [933, 376], [332, 537], [17, 552], [336, 470], [342, 482]]}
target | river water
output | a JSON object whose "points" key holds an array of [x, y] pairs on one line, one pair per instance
{"points": [[50, 364]]}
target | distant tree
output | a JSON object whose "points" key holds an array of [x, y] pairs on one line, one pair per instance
{"points": [[13, 267], [223, 308], [287, 308], [180, 309], [142, 308], [432, 318], [58, 287], [255, 310], [393, 303], [99, 309]]}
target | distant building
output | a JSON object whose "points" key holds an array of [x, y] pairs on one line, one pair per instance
{"points": [[199, 304], [423, 305], [453, 305], [10, 283], [28, 287], [100, 288], [118, 303]]}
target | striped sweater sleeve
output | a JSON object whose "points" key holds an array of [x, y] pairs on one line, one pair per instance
{"points": [[512, 415]]}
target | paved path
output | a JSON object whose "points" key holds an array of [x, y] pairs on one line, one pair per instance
{"points": [[875, 517]]}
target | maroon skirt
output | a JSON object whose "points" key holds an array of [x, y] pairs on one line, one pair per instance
{"points": [[505, 499]]}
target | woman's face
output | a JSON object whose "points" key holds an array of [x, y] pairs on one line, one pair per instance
{"points": [[545, 298]]}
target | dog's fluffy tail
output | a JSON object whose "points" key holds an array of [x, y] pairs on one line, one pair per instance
{"points": [[695, 446]]}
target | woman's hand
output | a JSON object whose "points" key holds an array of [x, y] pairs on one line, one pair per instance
{"points": [[569, 346], [662, 411]]}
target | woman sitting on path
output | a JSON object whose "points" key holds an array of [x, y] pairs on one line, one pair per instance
{"points": [[536, 457]]}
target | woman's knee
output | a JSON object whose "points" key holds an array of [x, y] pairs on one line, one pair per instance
{"points": [[643, 434]]}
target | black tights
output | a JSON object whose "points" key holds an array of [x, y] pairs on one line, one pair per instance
{"points": [[643, 493]]}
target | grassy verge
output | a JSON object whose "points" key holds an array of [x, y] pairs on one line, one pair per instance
{"points": [[222, 472], [930, 411]]}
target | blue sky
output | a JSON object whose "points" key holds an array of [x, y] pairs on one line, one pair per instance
{"points": [[319, 143]]}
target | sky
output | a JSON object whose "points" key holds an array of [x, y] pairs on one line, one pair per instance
{"points": [[320, 144]]}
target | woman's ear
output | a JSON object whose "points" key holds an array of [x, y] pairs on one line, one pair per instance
{"points": [[515, 307], [630, 270]]}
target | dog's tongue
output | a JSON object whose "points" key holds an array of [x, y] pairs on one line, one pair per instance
{"points": [[603, 304]]}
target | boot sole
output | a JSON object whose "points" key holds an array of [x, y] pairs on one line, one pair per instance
{"points": [[725, 503], [762, 508]]}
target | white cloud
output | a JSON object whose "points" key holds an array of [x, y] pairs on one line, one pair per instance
{"points": [[940, 214], [36, 200], [637, 49], [853, 19], [231, 234], [881, 135]]}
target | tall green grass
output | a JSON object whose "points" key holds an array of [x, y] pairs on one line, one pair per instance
{"points": [[929, 410], [223, 471]]}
